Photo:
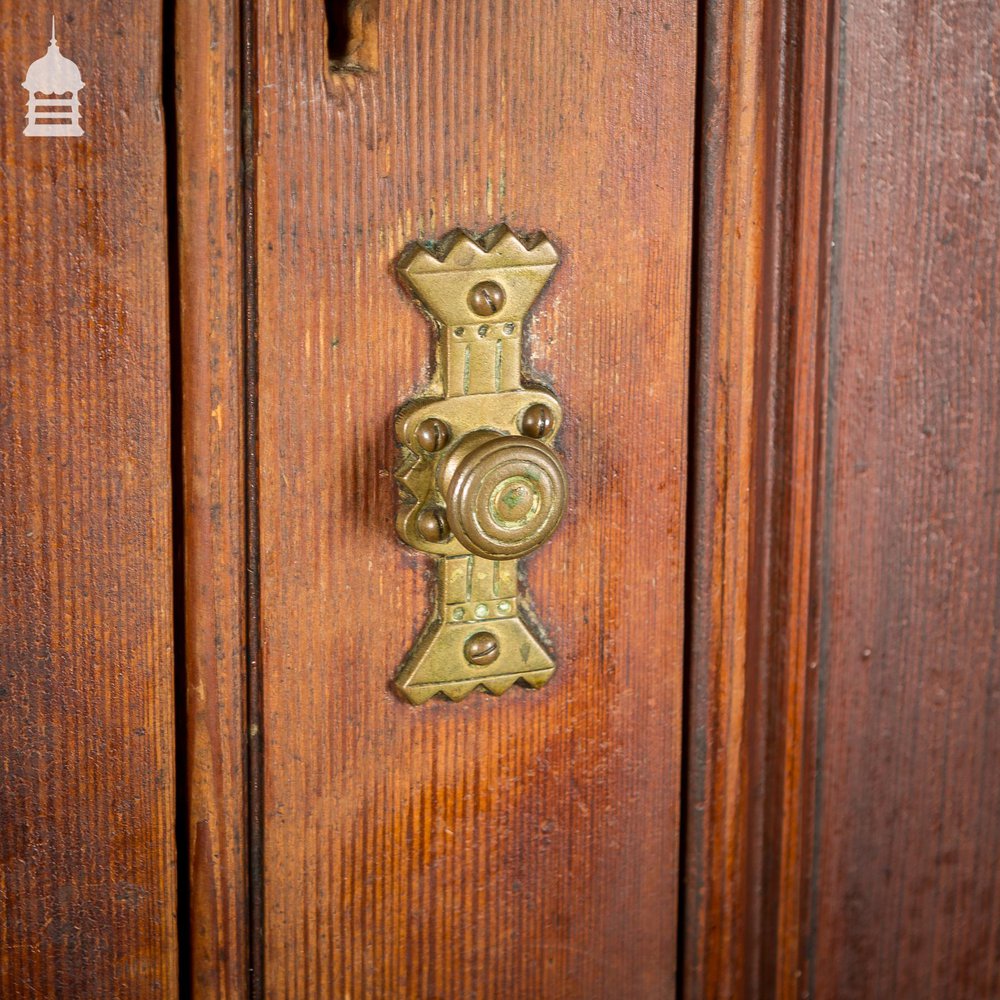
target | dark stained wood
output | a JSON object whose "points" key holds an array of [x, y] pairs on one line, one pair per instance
{"points": [[518, 847], [87, 861], [844, 816], [210, 278], [906, 889]]}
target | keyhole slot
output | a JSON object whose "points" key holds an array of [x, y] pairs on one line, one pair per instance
{"points": [[352, 35], [338, 30]]}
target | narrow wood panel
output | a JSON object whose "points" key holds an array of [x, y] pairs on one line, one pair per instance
{"points": [[907, 890], [210, 291], [87, 865], [524, 846]]}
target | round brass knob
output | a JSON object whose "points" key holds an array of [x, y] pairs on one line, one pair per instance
{"points": [[505, 494]]}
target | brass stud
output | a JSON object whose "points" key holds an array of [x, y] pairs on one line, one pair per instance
{"points": [[487, 298], [482, 649], [537, 421], [433, 434], [432, 524]]}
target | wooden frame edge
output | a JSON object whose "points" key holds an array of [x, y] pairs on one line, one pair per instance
{"points": [[211, 312], [729, 261], [757, 403]]}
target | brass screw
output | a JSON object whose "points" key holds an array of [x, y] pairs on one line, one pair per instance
{"points": [[433, 434], [432, 524], [482, 649], [487, 298], [537, 421]]}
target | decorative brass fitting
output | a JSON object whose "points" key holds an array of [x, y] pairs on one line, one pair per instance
{"points": [[482, 486]]}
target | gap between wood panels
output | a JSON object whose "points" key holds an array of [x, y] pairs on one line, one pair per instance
{"points": [[693, 375], [182, 805], [255, 735]]}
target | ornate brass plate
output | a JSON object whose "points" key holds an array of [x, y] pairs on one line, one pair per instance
{"points": [[482, 486]]}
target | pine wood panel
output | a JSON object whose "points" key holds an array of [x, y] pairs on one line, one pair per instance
{"points": [[210, 291], [524, 846], [907, 891], [87, 867]]}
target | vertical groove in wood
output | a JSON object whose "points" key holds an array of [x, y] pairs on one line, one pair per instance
{"points": [[87, 858], [249, 56], [209, 203], [784, 550], [516, 847]]}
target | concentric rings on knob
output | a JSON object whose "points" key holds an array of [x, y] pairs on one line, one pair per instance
{"points": [[506, 497]]}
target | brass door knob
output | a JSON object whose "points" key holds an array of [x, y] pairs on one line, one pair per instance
{"points": [[504, 494]]}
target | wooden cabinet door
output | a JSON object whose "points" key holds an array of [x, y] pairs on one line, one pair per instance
{"points": [[520, 846]]}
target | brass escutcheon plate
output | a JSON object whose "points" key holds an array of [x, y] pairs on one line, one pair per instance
{"points": [[481, 484]]}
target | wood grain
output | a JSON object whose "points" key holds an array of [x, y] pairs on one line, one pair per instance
{"points": [[907, 890], [786, 552], [722, 904], [524, 846], [87, 866], [757, 376], [210, 291]]}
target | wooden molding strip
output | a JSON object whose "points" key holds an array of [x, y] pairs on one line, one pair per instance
{"points": [[756, 401], [210, 251], [731, 229], [787, 540]]}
